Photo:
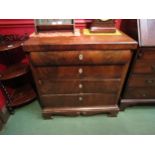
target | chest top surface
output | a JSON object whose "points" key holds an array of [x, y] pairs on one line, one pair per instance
{"points": [[81, 42]]}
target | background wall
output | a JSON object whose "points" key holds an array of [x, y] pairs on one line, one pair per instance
{"points": [[16, 26], [22, 26]]}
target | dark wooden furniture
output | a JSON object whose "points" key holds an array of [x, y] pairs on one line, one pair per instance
{"points": [[54, 25], [15, 76], [80, 74], [102, 26], [4, 116], [140, 86]]}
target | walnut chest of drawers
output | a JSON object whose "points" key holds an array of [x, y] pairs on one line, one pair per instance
{"points": [[140, 87], [140, 84], [80, 74]]}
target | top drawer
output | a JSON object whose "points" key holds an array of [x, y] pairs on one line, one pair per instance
{"points": [[80, 57], [146, 54]]}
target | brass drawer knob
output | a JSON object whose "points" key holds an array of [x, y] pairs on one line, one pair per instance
{"points": [[149, 81], [80, 98], [80, 70], [80, 57], [144, 95], [80, 86]]}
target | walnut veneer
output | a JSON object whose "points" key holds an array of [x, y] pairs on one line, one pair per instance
{"points": [[140, 86], [80, 74]]}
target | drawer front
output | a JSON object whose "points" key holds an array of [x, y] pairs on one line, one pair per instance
{"points": [[144, 67], [147, 54], [80, 57], [78, 86], [81, 72], [140, 93], [142, 81], [78, 100]]}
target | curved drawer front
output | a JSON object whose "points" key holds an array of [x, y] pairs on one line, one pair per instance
{"points": [[80, 57], [79, 100], [78, 86], [80, 72]]}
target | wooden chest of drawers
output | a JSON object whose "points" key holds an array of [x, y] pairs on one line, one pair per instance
{"points": [[140, 88], [80, 74]]}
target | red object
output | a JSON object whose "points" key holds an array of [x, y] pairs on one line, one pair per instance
{"points": [[22, 26], [14, 26], [2, 100]]}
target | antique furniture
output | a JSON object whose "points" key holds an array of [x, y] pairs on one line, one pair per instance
{"points": [[140, 86], [15, 76], [4, 113], [102, 26], [4, 116], [54, 25], [80, 74]]}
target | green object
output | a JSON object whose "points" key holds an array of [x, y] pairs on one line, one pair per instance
{"points": [[28, 120]]}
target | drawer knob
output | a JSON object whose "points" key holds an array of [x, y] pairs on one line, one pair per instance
{"points": [[80, 70], [80, 98], [149, 81], [80, 56], [153, 67], [140, 54], [144, 95], [40, 82], [80, 86]]}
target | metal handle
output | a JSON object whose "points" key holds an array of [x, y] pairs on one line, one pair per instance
{"points": [[81, 57], [144, 95], [80, 86], [150, 81], [80, 70], [80, 98]]}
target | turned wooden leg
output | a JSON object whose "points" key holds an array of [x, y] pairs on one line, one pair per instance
{"points": [[113, 114]]}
